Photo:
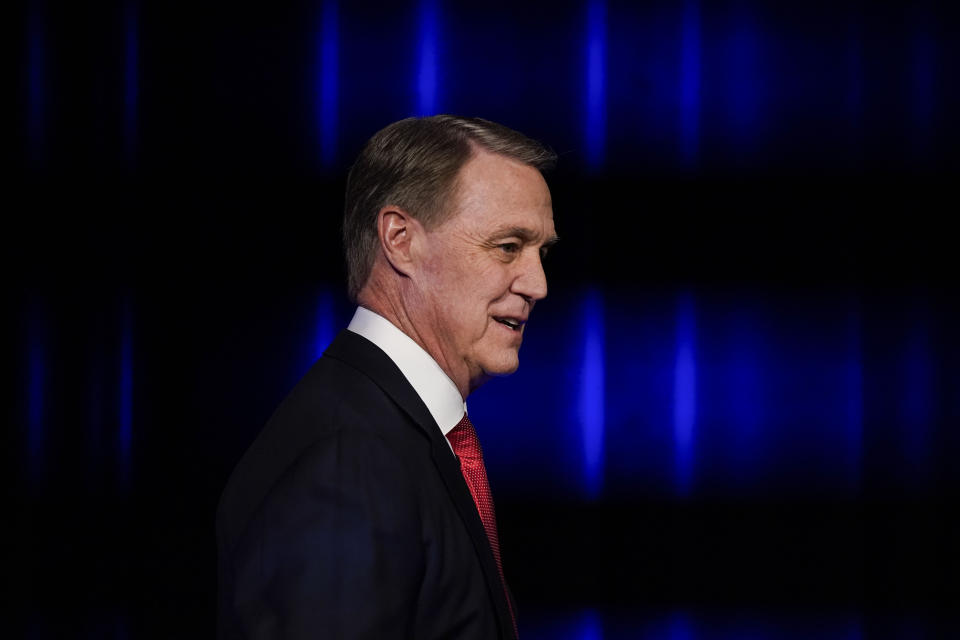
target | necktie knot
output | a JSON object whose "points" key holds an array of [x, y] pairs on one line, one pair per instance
{"points": [[463, 438]]}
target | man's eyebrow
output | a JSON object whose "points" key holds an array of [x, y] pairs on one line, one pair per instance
{"points": [[525, 234]]}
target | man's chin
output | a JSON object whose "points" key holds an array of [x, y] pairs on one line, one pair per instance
{"points": [[502, 368]]}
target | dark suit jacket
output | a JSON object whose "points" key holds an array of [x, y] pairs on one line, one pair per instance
{"points": [[348, 517]]}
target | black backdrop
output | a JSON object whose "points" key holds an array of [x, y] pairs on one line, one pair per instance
{"points": [[171, 222]]}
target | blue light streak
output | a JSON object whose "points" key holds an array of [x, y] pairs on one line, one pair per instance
{"points": [[131, 80], [746, 396], [596, 107], [690, 83], [680, 626], [743, 85], [125, 399], [684, 396], [592, 392], [427, 59], [324, 324], [328, 81], [36, 89], [590, 627]]}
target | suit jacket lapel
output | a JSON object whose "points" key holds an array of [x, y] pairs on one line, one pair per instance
{"points": [[365, 356]]}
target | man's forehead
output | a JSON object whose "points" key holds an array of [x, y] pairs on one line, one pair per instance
{"points": [[492, 174], [526, 233]]}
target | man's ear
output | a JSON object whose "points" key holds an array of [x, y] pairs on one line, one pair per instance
{"points": [[396, 229]]}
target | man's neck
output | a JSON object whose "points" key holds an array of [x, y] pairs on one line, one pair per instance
{"points": [[394, 311]]}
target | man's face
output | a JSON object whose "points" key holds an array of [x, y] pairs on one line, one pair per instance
{"points": [[482, 270]]}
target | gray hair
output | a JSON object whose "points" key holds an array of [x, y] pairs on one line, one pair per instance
{"points": [[413, 164]]}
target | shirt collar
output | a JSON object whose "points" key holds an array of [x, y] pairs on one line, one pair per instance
{"points": [[431, 383]]}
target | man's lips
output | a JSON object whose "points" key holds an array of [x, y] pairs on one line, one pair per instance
{"points": [[512, 322]]}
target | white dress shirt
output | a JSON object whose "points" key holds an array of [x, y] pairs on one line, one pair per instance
{"points": [[431, 383]]}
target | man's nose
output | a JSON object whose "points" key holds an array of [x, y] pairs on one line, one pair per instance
{"points": [[531, 282]]}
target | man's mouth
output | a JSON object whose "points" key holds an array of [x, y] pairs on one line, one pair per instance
{"points": [[512, 323]]}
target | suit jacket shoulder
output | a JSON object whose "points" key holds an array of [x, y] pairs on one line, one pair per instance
{"points": [[349, 515]]}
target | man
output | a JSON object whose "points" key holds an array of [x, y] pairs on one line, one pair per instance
{"points": [[363, 509]]}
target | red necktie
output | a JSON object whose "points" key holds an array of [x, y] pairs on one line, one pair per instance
{"points": [[466, 446]]}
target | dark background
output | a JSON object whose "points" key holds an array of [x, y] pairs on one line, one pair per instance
{"points": [[737, 411]]}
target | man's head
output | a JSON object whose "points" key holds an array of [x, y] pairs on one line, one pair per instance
{"points": [[445, 226]]}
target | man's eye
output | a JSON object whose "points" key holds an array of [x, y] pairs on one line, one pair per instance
{"points": [[509, 247]]}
